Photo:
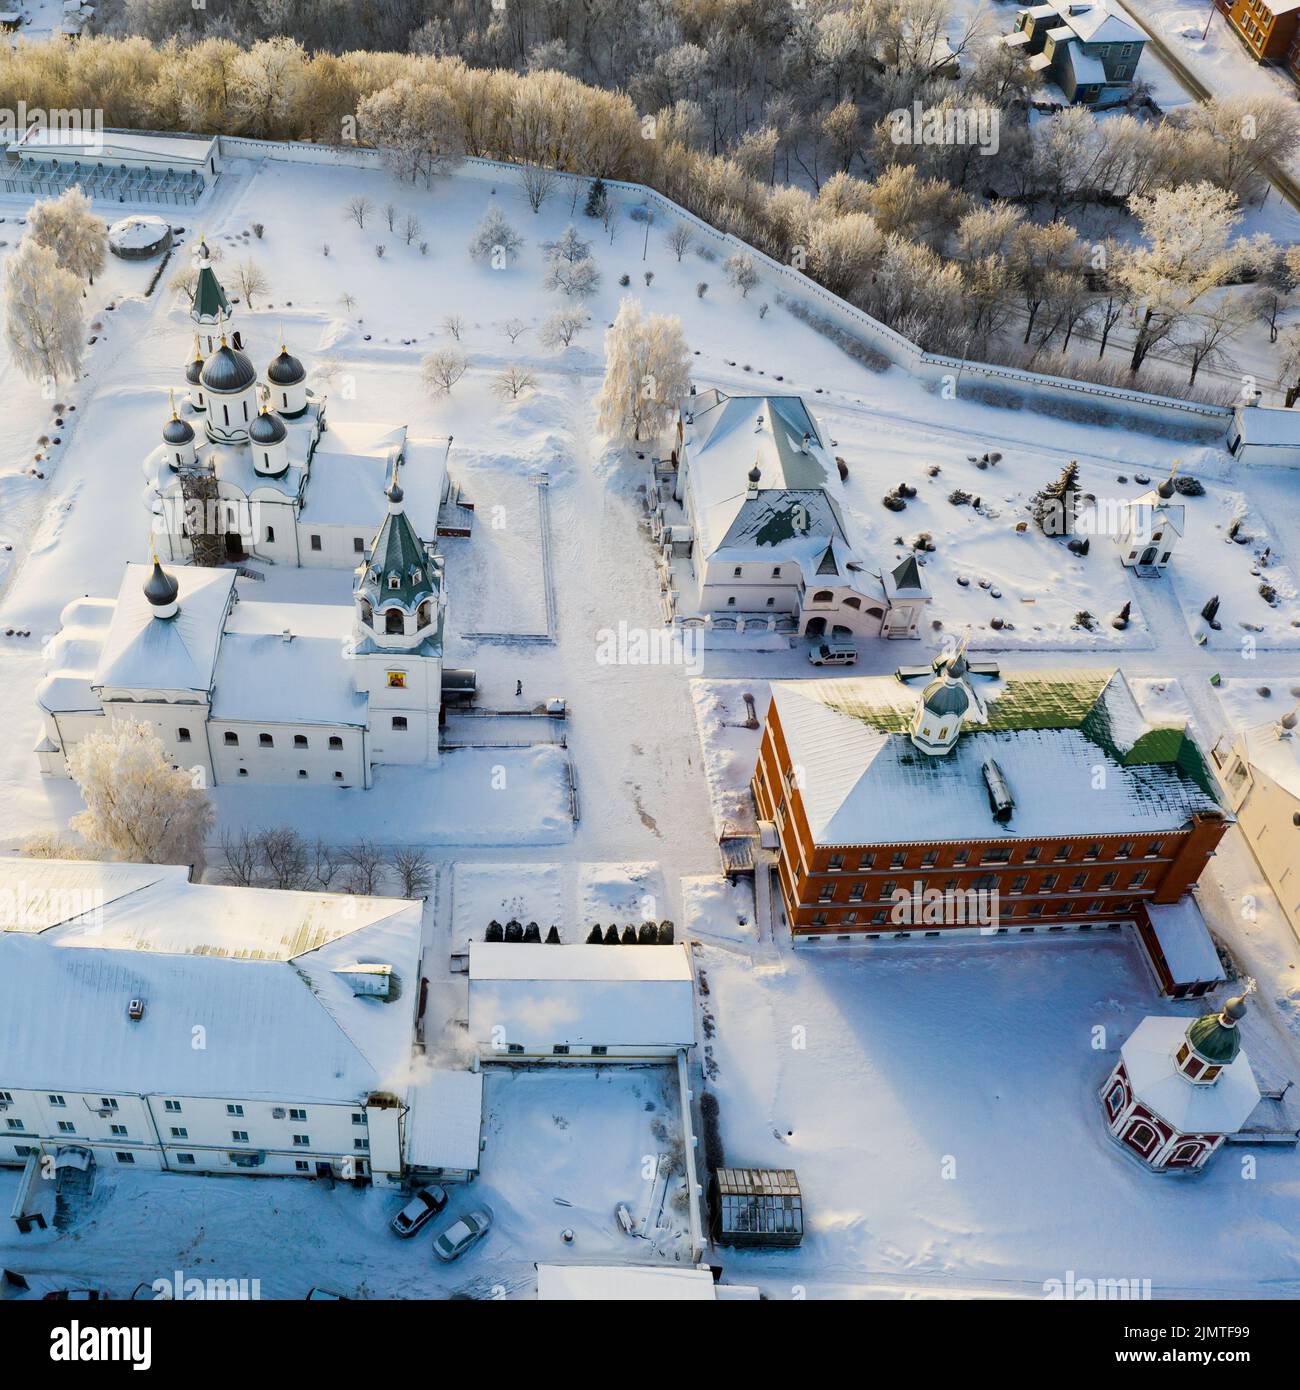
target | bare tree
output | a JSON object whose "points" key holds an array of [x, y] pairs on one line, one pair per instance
{"points": [[454, 325], [512, 382], [325, 864], [285, 856], [413, 871], [250, 279], [410, 228], [363, 863], [538, 182], [442, 369], [514, 329], [390, 216], [577, 279], [741, 272], [680, 239], [240, 857], [358, 208]]}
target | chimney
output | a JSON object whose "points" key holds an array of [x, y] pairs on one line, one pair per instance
{"points": [[286, 636]]}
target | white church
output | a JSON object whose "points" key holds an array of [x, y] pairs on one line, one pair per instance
{"points": [[260, 691], [290, 488]]}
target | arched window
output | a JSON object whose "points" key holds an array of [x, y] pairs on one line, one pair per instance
{"points": [[284, 396], [394, 621], [245, 405], [367, 614], [225, 410], [1142, 1138], [853, 603], [425, 616], [822, 596]]}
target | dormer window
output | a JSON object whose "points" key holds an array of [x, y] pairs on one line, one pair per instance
{"points": [[394, 581], [416, 576]]}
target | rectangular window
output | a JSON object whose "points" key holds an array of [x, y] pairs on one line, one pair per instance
{"points": [[1138, 878], [1093, 851], [961, 857], [999, 855], [836, 863], [335, 742], [857, 892], [362, 1144], [887, 888], [107, 1103], [179, 1132], [173, 1107], [1035, 909], [270, 535], [1125, 851], [826, 893], [899, 860], [929, 859], [1109, 880], [358, 1117], [183, 735], [866, 861], [302, 1141], [240, 1136], [1032, 853], [731, 602], [18, 1124], [300, 1165], [1154, 848], [67, 1127], [878, 917], [735, 573], [125, 1158], [399, 722], [1062, 851], [600, 1051], [315, 542], [560, 1049], [297, 1114], [56, 1100], [358, 545], [1018, 883], [1095, 906], [234, 1109], [231, 739], [1077, 882], [186, 1159], [119, 1130], [265, 741], [1048, 883], [986, 882]]}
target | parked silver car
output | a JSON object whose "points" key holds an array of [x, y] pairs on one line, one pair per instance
{"points": [[420, 1210], [463, 1234]]}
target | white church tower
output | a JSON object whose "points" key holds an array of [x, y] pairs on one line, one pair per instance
{"points": [[398, 639]]}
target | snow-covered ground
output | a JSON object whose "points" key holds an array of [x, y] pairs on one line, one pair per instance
{"points": [[910, 1056]]}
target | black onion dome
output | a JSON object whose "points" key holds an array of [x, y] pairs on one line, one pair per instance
{"points": [[160, 589], [228, 369], [285, 370], [178, 431], [268, 428], [194, 371]]}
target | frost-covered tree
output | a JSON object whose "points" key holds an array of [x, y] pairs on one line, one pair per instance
{"points": [[69, 227], [358, 208], [138, 806], [680, 239], [44, 319], [741, 272], [1189, 250], [577, 279], [563, 326], [647, 371], [1288, 349], [417, 127], [843, 252], [538, 183], [569, 246], [495, 239], [442, 369]]}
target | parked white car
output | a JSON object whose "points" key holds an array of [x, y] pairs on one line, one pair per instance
{"points": [[463, 1234], [420, 1210]]}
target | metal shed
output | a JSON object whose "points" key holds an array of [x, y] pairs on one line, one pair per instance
{"points": [[757, 1206]]}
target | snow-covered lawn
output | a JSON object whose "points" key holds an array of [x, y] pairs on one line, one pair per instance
{"points": [[939, 1105], [563, 1149]]}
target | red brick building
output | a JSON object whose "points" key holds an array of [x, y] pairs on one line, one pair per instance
{"points": [[1046, 797], [1270, 29]]}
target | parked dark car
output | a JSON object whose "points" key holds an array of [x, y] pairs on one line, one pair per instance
{"points": [[422, 1208]]}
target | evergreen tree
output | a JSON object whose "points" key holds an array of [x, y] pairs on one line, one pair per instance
{"points": [[597, 199]]}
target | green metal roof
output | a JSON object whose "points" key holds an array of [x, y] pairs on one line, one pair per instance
{"points": [[1214, 1042], [210, 302], [398, 553]]}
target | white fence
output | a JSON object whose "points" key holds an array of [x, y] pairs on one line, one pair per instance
{"points": [[1034, 390]]}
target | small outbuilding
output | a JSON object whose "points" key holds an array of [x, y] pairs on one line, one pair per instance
{"points": [[1265, 434], [756, 1206]]}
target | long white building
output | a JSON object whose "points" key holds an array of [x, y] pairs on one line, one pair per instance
{"points": [[156, 1023]]}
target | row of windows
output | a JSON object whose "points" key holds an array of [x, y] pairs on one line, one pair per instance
{"points": [[559, 1050], [358, 545], [231, 740], [736, 573], [172, 1107], [881, 917], [987, 883], [995, 854], [907, 935]]}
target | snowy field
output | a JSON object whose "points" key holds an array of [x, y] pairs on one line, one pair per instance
{"points": [[910, 1057]]}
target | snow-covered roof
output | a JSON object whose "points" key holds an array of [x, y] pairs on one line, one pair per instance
{"points": [[255, 969], [1185, 942], [1269, 424], [305, 680], [74, 656], [1086, 69], [143, 651], [724, 437], [351, 469], [866, 783], [625, 1283], [540, 995], [1094, 22], [1276, 753], [445, 1119], [1220, 1108], [113, 146]]}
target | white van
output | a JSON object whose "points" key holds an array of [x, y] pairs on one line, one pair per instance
{"points": [[833, 654]]}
